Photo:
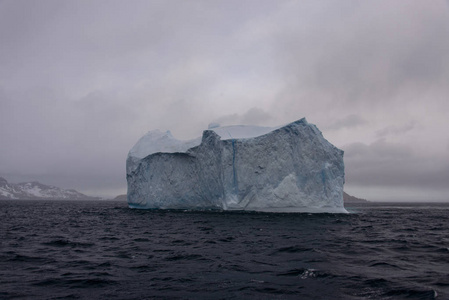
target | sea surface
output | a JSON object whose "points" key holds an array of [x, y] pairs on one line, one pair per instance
{"points": [[105, 250]]}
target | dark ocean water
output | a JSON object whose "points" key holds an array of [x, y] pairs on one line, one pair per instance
{"points": [[104, 250]]}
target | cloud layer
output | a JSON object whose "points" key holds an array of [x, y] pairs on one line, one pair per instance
{"points": [[81, 81]]}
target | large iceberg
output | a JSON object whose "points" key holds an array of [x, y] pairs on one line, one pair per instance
{"points": [[290, 168]]}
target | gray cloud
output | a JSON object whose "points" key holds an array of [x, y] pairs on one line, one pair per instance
{"points": [[254, 116], [385, 164], [81, 81], [397, 130], [373, 52], [346, 122]]}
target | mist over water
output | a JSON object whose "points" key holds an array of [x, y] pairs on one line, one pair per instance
{"points": [[104, 250]]}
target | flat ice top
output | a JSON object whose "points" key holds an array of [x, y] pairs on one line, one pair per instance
{"points": [[158, 141]]}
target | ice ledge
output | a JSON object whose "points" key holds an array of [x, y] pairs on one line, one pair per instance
{"points": [[293, 210], [330, 210]]}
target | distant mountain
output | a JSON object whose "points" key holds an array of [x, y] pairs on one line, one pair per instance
{"points": [[351, 199], [121, 198], [35, 190]]}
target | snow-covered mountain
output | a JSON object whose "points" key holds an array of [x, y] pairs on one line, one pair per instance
{"points": [[36, 190]]}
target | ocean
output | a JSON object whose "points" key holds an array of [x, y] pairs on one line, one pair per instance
{"points": [[105, 250]]}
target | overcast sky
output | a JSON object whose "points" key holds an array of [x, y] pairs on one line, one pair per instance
{"points": [[82, 81]]}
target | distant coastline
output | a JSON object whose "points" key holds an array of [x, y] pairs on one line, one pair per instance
{"points": [[121, 198], [37, 191], [351, 199]]}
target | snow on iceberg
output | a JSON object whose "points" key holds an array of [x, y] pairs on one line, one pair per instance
{"points": [[290, 168]]}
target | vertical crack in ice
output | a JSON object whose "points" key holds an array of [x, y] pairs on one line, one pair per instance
{"points": [[236, 189], [323, 179]]}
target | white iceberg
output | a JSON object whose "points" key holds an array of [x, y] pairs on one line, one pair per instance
{"points": [[290, 168]]}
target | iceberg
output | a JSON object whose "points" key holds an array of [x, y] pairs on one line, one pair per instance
{"points": [[290, 168]]}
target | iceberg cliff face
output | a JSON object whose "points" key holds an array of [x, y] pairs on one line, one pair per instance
{"points": [[285, 169]]}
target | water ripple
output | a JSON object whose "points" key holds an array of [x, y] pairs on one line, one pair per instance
{"points": [[103, 250]]}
